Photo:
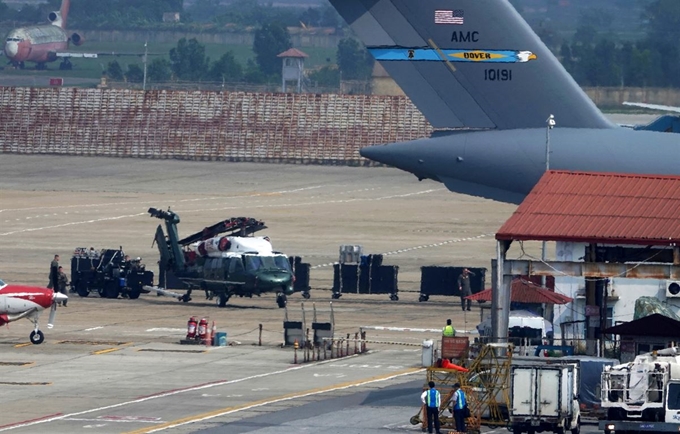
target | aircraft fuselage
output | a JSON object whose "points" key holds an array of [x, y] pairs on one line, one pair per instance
{"points": [[505, 164], [35, 44]]}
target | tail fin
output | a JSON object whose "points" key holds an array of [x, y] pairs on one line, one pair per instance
{"points": [[470, 63], [65, 6]]}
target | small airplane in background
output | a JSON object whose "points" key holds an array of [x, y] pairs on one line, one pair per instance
{"points": [[48, 43], [42, 44], [665, 123], [18, 301]]}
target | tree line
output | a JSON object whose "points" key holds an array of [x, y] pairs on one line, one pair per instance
{"points": [[594, 54], [188, 62], [595, 58]]}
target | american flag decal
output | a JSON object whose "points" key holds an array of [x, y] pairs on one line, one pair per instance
{"points": [[449, 17]]}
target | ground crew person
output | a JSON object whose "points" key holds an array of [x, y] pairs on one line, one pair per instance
{"points": [[54, 274], [62, 282], [459, 404], [448, 331], [464, 288], [432, 399]]}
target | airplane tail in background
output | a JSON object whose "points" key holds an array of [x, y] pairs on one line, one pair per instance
{"points": [[473, 64], [65, 6]]}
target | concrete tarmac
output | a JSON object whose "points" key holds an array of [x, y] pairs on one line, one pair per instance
{"points": [[114, 366]]}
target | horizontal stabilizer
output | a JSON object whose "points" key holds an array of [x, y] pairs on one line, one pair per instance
{"points": [[76, 55]]}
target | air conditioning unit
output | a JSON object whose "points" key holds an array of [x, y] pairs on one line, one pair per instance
{"points": [[672, 289]]}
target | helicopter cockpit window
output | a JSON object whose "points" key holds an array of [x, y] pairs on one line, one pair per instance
{"points": [[255, 263], [282, 262]]}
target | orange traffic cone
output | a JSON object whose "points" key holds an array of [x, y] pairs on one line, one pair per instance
{"points": [[209, 336]]}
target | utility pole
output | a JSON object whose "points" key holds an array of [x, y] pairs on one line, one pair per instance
{"points": [[146, 52]]}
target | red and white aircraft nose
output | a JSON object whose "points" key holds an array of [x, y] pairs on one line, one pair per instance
{"points": [[11, 49]]}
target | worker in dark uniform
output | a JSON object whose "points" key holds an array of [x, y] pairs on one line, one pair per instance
{"points": [[464, 288], [459, 407], [54, 273], [448, 331], [62, 283], [432, 400]]}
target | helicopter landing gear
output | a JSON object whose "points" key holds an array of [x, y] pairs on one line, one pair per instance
{"points": [[222, 300], [281, 300]]}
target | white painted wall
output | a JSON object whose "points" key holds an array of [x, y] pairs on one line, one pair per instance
{"points": [[628, 290]]}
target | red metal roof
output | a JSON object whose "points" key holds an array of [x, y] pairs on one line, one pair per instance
{"points": [[598, 208], [523, 291], [292, 52]]}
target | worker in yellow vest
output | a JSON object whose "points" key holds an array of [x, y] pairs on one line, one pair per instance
{"points": [[448, 331]]}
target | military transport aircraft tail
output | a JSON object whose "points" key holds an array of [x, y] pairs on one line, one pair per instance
{"points": [[472, 64]]}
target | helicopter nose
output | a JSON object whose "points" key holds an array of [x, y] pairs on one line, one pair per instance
{"points": [[11, 49]]}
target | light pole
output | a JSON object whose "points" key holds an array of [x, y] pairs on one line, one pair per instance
{"points": [[550, 124]]}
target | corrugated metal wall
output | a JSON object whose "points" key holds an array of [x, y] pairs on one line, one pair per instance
{"points": [[234, 126]]}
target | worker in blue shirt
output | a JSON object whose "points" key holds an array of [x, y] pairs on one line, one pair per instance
{"points": [[459, 404], [432, 400]]}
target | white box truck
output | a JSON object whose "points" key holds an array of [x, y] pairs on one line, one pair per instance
{"points": [[544, 398]]}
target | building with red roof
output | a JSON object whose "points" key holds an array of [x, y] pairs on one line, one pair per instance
{"points": [[616, 238]]}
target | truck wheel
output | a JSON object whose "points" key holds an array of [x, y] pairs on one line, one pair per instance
{"points": [[281, 301], [81, 289], [134, 294], [112, 291], [516, 431], [576, 430]]}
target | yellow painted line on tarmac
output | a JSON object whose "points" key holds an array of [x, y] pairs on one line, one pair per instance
{"points": [[16, 363], [106, 351], [25, 344], [260, 403]]}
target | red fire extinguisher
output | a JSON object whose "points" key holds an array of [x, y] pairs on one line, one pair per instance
{"points": [[191, 328], [202, 328]]}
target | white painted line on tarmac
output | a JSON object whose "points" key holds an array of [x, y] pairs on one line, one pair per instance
{"points": [[94, 328], [163, 329], [103, 419], [231, 410], [72, 224], [165, 394]]}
